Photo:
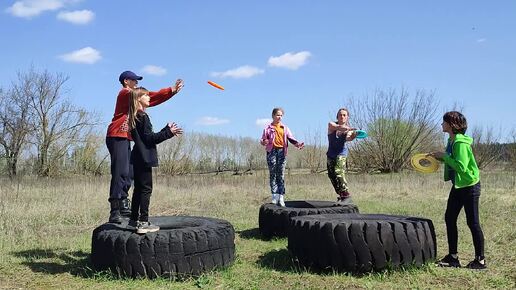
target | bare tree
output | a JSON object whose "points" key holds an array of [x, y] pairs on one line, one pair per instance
{"points": [[314, 154], [176, 156], [58, 124], [89, 157], [15, 124], [398, 124], [511, 150], [486, 146]]}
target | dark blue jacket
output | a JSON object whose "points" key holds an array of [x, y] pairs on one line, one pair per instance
{"points": [[144, 152]]}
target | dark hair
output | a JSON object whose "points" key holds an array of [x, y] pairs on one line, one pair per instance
{"points": [[457, 122], [338, 112], [275, 110]]}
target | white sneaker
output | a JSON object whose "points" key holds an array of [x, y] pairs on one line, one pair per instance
{"points": [[274, 198], [281, 200]]}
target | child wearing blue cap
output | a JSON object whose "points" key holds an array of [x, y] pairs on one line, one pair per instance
{"points": [[118, 139]]}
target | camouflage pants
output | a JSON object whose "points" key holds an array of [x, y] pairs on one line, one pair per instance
{"points": [[337, 173], [276, 162]]}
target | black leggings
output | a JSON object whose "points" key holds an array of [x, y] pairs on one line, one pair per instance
{"points": [[466, 197], [141, 193]]}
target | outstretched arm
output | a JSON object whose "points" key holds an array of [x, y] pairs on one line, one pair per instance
{"points": [[163, 95], [332, 127], [148, 136]]}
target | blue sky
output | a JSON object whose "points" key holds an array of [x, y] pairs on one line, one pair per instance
{"points": [[308, 57]]}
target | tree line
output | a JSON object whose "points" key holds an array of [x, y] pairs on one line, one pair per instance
{"points": [[42, 133]]}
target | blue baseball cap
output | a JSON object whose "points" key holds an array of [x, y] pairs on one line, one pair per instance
{"points": [[129, 75]]}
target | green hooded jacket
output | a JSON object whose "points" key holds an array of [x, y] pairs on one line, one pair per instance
{"points": [[462, 161]]}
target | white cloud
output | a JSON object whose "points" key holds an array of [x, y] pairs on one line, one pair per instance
{"points": [[263, 122], [154, 70], [480, 40], [211, 121], [76, 17], [243, 72], [290, 60], [29, 8], [86, 55]]}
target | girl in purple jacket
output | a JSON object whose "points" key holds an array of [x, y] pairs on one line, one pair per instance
{"points": [[275, 138]]}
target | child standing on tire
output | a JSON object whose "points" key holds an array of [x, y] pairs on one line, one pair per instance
{"points": [[275, 138], [338, 134], [461, 168], [118, 143], [144, 156]]}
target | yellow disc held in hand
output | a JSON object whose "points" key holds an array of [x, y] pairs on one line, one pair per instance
{"points": [[424, 164]]}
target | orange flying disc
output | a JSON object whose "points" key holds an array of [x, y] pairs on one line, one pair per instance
{"points": [[216, 85]]}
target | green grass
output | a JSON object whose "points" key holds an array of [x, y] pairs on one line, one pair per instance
{"points": [[46, 227]]}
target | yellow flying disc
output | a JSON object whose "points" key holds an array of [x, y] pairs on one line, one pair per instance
{"points": [[424, 164]]}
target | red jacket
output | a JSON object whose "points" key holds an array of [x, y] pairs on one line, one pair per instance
{"points": [[119, 126]]}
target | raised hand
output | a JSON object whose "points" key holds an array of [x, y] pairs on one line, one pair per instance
{"points": [[175, 129], [178, 86]]}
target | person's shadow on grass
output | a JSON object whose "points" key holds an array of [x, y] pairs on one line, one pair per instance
{"points": [[57, 261], [280, 260], [251, 234]]}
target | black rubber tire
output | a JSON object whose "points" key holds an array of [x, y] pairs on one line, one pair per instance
{"points": [[361, 242], [184, 246], [274, 220]]}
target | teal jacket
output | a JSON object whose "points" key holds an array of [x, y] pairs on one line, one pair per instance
{"points": [[462, 161]]}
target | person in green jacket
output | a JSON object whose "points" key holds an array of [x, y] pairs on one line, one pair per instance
{"points": [[461, 169]]}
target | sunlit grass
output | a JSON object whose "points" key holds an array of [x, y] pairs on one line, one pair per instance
{"points": [[46, 227]]}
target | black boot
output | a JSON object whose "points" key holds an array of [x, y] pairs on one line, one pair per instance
{"points": [[125, 207], [114, 214]]}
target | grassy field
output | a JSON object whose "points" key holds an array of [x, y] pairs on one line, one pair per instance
{"points": [[46, 228]]}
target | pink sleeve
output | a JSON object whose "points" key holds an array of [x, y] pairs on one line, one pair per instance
{"points": [[290, 137]]}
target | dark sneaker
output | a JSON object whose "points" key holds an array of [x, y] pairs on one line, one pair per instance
{"points": [[477, 264], [146, 227], [125, 207], [132, 225], [449, 261]]}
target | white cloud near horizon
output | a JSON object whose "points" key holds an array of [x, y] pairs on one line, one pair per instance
{"points": [[263, 122], [87, 55], [211, 121], [243, 72], [76, 17], [481, 40], [30, 8], [290, 60], [154, 70]]}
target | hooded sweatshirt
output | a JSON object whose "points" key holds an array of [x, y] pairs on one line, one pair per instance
{"points": [[462, 162]]}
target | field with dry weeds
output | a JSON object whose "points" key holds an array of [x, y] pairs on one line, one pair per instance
{"points": [[46, 227]]}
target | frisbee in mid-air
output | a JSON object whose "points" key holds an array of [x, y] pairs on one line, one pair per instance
{"points": [[361, 134], [424, 164], [216, 85]]}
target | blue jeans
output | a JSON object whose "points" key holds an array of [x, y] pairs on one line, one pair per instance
{"points": [[276, 161]]}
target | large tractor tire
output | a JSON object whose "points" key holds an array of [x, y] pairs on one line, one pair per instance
{"points": [[361, 242], [274, 220], [184, 246]]}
